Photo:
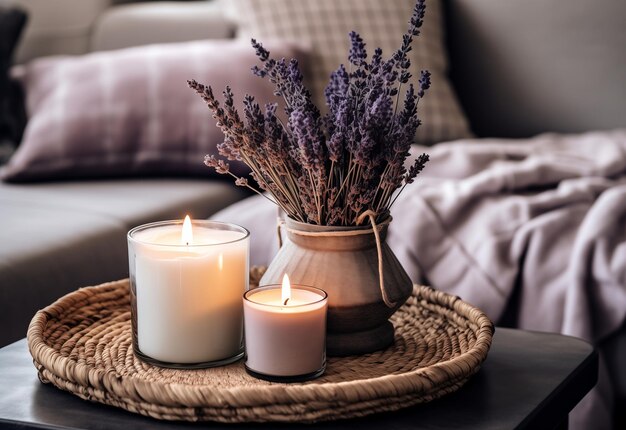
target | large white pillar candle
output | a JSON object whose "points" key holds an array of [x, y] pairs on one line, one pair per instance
{"points": [[285, 331], [186, 287]]}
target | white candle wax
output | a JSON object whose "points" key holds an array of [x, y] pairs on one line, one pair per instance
{"points": [[285, 340], [188, 296]]}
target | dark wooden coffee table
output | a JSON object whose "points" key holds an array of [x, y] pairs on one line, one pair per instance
{"points": [[529, 381]]}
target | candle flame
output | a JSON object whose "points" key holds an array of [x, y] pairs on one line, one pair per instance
{"points": [[220, 261], [187, 235], [286, 291]]}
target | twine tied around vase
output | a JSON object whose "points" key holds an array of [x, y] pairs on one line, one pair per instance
{"points": [[375, 227]]}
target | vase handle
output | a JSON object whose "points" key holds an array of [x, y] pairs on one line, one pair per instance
{"points": [[379, 248], [279, 224]]}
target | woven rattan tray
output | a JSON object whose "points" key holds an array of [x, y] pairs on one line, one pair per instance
{"points": [[82, 344]]}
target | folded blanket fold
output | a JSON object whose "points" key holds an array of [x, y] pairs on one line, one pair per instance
{"points": [[545, 215]]}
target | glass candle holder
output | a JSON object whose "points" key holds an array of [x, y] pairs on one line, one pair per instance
{"points": [[186, 289], [285, 342]]}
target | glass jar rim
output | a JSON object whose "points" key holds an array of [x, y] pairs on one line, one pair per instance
{"points": [[323, 294], [232, 227]]}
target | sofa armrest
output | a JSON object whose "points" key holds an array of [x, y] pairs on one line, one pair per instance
{"points": [[52, 30], [163, 22]]}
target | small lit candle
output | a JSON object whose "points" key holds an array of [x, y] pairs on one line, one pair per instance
{"points": [[285, 331], [187, 279]]}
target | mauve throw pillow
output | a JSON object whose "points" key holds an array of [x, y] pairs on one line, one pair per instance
{"points": [[130, 112]]}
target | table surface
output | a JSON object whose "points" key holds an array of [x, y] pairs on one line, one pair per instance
{"points": [[529, 380]]}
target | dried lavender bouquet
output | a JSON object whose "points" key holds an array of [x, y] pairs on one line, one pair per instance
{"points": [[328, 169]]}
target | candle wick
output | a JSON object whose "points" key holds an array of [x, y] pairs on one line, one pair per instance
{"points": [[286, 300], [187, 243]]}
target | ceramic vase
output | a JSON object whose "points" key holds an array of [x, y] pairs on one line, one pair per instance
{"points": [[344, 261]]}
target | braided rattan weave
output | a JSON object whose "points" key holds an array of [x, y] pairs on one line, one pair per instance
{"points": [[82, 344]]}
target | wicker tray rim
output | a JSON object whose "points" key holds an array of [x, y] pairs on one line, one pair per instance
{"points": [[396, 385]]}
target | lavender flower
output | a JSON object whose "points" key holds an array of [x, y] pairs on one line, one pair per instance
{"points": [[255, 122], [328, 169], [260, 51], [357, 54], [424, 83], [400, 58], [337, 86], [220, 166], [416, 168]]}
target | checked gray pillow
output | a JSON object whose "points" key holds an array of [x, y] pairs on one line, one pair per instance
{"points": [[324, 26]]}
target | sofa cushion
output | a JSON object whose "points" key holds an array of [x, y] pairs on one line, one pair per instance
{"points": [[325, 24], [57, 237], [53, 31], [129, 202], [129, 112], [161, 22], [48, 251]]}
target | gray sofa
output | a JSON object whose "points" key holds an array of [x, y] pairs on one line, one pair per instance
{"points": [[60, 236], [520, 68]]}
